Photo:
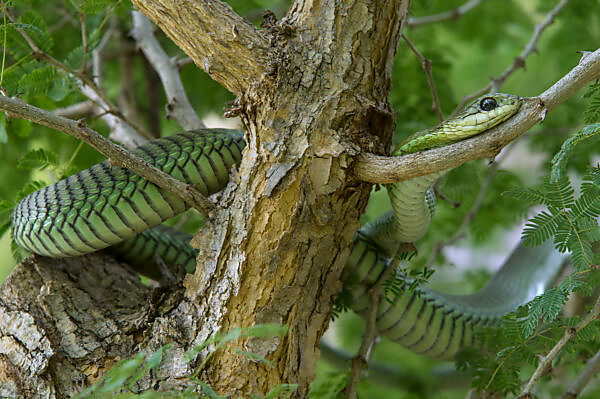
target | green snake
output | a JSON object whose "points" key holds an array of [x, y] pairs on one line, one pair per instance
{"points": [[110, 207]]}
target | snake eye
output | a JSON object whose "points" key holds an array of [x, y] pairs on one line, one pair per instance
{"points": [[488, 104]]}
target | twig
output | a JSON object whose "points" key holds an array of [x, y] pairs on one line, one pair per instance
{"points": [[370, 335], [85, 80], [379, 169], [591, 368], [127, 99], [519, 61], [118, 156], [546, 361], [178, 105], [443, 16], [426, 63], [80, 110], [120, 130], [183, 62]]}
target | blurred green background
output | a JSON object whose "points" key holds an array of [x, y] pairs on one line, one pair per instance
{"points": [[466, 53]]}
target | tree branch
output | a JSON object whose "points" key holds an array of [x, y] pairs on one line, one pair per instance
{"points": [[178, 106], [89, 86], [379, 169], [370, 335], [426, 63], [443, 16], [519, 61], [230, 49], [118, 156], [591, 368], [120, 129], [546, 361]]}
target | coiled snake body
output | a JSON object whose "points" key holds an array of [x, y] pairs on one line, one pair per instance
{"points": [[106, 206]]}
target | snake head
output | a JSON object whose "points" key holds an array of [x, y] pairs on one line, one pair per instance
{"points": [[479, 116]]}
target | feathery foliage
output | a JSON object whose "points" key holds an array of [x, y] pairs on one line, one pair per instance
{"points": [[121, 380], [572, 223]]}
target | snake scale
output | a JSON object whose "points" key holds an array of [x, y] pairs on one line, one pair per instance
{"points": [[106, 206]]}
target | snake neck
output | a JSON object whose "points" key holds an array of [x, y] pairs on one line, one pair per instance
{"points": [[413, 202]]}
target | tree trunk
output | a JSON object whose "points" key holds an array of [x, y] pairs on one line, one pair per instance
{"points": [[312, 93]]}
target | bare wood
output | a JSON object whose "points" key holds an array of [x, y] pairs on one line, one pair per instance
{"points": [[591, 369], [65, 322], [277, 253], [227, 47], [178, 106], [118, 156], [379, 169], [453, 14]]}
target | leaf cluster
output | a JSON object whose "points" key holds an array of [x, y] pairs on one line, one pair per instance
{"points": [[571, 222], [121, 381]]}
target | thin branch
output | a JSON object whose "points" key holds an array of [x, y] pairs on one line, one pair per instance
{"points": [[370, 335], [85, 80], [379, 169], [546, 361], [519, 61], [592, 367], [127, 99], [80, 110], [229, 48], [178, 105], [443, 16], [118, 155], [426, 63], [120, 130]]}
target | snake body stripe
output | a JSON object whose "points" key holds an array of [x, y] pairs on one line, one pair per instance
{"points": [[106, 206]]}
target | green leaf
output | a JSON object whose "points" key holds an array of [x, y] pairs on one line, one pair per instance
{"points": [[592, 111], [208, 391], [560, 159], [588, 204], [29, 188], [539, 228], [560, 193], [35, 27], [528, 194], [254, 357], [40, 81], [20, 128], [95, 6], [6, 206], [38, 159], [281, 391], [4, 228]]}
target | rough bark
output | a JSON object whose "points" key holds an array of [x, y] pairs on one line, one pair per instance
{"points": [[312, 93]]}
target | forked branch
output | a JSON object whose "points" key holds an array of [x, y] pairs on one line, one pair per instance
{"points": [[230, 49]]}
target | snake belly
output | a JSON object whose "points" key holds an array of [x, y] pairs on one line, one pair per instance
{"points": [[106, 206]]}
